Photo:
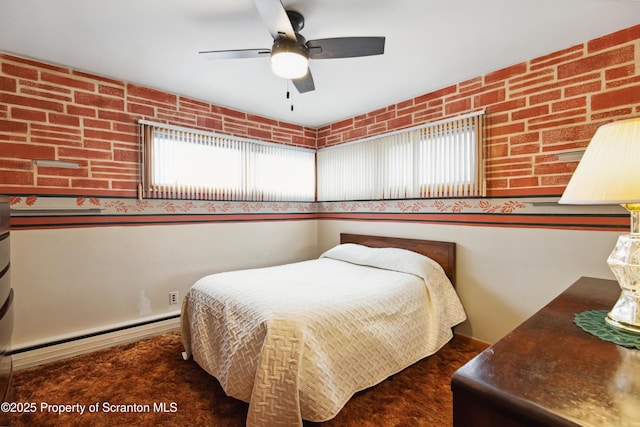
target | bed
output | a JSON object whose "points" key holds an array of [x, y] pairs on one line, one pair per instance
{"points": [[297, 341]]}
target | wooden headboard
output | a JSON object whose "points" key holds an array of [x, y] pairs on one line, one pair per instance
{"points": [[444, 253]]}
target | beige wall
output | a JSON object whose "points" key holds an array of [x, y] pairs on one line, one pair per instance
{"points": [[504, 275], [68, 281]]}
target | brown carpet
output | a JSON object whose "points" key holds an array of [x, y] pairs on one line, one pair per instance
{"points": [[152, 372]]}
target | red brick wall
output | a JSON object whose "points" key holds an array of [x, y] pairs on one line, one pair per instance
{"points": [[51, 112], [535, 109]]}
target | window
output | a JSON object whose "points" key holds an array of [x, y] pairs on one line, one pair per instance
{"points": [[182, 163], [442, 159]]}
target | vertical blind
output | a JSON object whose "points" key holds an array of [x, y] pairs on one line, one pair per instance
{"points": [[181, 163], [442, 159]]}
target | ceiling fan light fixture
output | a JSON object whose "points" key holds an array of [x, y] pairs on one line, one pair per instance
{"points": [[289, 60]]}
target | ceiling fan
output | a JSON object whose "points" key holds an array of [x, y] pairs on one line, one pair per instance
{"points": [[291, 52]]}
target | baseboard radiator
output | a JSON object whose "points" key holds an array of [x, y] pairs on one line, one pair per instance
{"points": [[63, 347]]}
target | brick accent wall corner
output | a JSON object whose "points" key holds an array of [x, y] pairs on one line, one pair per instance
{"points": [[52, 112], [535, 110]]}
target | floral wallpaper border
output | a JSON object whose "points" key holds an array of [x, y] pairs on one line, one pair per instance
{"points": [[110, 206], [32, 212], [128, 206], [421, 206]]}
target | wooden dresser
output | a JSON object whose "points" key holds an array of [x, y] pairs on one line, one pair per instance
{"points": [[549, 372], [6, 301]]}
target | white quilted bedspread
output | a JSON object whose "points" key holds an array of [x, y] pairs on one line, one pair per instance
{"points": [[297, 341]]}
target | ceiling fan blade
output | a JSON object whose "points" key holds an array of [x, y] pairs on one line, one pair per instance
{"points": [[275, 16], [235, 54], [304, 84], [345, 47]]}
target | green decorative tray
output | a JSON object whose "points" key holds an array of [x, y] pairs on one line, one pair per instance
{"points": [[593, 322]]}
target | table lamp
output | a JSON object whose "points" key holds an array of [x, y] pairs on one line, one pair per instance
{"points": [[609, 173]]}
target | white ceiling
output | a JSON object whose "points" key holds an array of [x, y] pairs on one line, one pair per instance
{"points": [[430, 44]]}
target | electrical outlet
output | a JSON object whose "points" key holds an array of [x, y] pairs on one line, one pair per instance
{"points": [[173, 297]]}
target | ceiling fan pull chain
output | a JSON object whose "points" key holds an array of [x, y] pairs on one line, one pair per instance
{"points": [[289, 95]]}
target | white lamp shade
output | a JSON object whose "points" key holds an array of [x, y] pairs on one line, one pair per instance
{"points": [[609, 172], [289, 65]]}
